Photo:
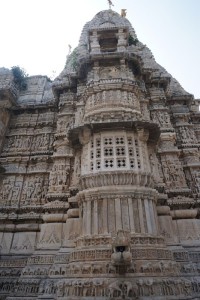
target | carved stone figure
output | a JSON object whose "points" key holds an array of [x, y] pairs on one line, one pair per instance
{"points": [[114, 289]]}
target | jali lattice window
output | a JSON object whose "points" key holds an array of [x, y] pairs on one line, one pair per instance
{"points": [[115, 151]]}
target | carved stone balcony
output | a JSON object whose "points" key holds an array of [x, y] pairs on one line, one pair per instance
{"points": [[116, 178]]}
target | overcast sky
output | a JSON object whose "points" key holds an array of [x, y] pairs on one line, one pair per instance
{"points": [[35, 33]]}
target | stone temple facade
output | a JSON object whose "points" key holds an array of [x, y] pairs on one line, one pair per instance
{"points": [[100, 176]]}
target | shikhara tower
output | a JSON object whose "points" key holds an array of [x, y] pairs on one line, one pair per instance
{"points": [[100, 176]]}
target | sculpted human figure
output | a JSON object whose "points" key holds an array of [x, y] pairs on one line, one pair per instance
{"points": [[15, 191], [149, 283], [154, 168], [166, 172], [77, 169], [131, 288], [77, 287], [141, 289], [168, 288], [97, 289], [186, 286], [17, 142], [30, 190], [114, 289], [6, 189], [67, 286], [60, 288], [38, 188], [52, 180], [160, 116], [87, 287], [36, 143]]}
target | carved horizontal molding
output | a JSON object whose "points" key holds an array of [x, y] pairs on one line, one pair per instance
{"points": [[187, 145], [182, 191], [56, 217], [181, 202], [116, 178], [113, 191], [74, 270], [27, 153], [41, 259], [194, 256], [103, 288], [183, 214], [32, 125], [105, 114], [58, 195], [103, 240], [166, 129], [192, 165], [61, 258], [114, 83], [151, 254], [105, 254], [181, 255], [13, 216], [170, 150], [90, 255], [19, 263], [112, 107]]}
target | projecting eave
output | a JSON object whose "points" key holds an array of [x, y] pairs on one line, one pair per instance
{"points": [[152, 128]]}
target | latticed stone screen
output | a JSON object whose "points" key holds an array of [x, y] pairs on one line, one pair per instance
{"points": [[115, 151]]}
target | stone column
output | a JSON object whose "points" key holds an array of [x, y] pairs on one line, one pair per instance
{"points": [[131, 216], [94, 42], [122, 41], [89, 216], [95, 218], [148, 216], [118, 214], [141, 216]]}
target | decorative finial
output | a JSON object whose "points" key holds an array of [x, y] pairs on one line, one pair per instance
{"points": [[110, 4], [123, 12]]}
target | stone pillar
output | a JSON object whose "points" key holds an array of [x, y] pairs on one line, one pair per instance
{"points": [[141, 216], [95, 217], [94, 42], [131, 215], [122, 40], [149, 217], [60, 175], [118, 214], [88, 217]]}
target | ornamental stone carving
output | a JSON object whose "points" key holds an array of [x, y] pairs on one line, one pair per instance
{"points": [[100, 176]]}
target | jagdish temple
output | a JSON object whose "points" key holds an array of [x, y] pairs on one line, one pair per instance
{"points": [[99, 176]]}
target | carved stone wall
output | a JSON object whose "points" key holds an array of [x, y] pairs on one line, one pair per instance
{"points": [[100, 176]]}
